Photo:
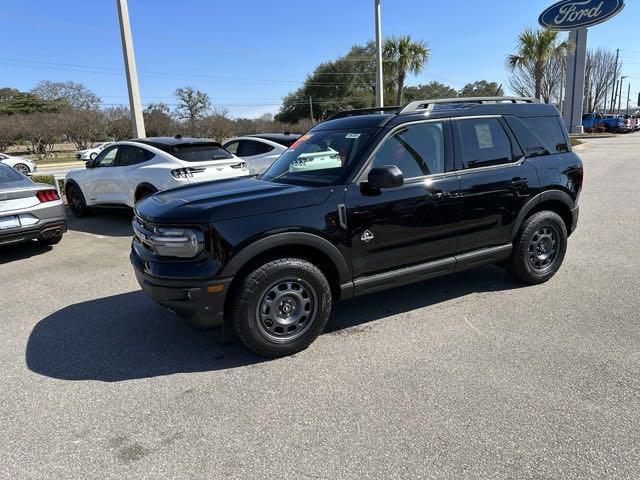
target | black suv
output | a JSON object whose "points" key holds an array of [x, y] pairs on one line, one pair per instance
{"points": [[365, 201]]}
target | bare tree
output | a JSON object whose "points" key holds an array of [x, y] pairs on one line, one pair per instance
{"points": [[40, 131], [75, 94], [158, 121], [192, 104], [8, 132], [523, 81], [83, 127], [118, 121], [599, 75]]}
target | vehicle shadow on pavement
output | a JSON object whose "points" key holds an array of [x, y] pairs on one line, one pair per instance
{"points": [[127, 336], [114, 222], [22, 251]]}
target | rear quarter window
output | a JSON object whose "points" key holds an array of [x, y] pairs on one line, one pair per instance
{"points": [[540, 135]]}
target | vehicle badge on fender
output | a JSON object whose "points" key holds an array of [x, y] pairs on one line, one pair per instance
{"points": [[367, 236]]}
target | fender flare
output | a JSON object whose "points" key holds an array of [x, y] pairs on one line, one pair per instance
{"points": [[286, 240], [556, 195]]}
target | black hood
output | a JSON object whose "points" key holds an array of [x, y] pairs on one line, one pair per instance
{"points": [[225, 199]]}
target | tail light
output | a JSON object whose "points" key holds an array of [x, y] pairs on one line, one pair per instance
{"points": [[48, 195], [186, 172]]}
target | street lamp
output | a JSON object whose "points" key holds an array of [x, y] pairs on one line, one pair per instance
{"points": [[379, 79]]}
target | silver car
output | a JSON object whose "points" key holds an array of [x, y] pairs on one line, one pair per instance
{"points": [[29, 211]]}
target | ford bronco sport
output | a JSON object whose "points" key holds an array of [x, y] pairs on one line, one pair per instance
{"points": [[365, 201]]}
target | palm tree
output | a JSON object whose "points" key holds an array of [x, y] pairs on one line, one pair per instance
{"points": [[536, 49], [404, 56]]}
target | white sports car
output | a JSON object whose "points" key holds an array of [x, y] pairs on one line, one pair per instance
{"points": [[23, 165], [92, 153], [126, 172]]}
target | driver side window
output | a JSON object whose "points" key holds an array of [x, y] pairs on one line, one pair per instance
{"points": [[107, 157], [417, 150]]}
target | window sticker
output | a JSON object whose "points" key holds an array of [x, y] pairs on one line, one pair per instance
{"points": [[353, 135], [483, 132]]}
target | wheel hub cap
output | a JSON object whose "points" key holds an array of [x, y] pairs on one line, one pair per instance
{"points": [[543, 248], [286, 310]]}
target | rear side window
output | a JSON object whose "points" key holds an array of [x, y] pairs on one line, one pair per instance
{"points": [[483, 142], [200, 153], [549, 133], [128, 156], [249, 148]]}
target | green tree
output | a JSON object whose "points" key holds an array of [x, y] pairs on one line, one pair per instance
{"points": [[73, 93], [345, 83], [404, 56], [429, 91], [537, 49], [14, 101], [482, 88], [192, 103]]}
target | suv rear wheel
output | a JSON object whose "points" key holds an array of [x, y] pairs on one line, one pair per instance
{"points": [[281, 307], [539, 248]]}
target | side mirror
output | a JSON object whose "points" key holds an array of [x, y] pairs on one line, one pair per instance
{"points": [[388, 176], [90, 164]]}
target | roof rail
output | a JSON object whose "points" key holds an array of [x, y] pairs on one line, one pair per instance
{"points": [[365, 111], [428, 105]]}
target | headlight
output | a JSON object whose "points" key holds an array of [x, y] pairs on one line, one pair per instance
{"points": [[180, 242]]}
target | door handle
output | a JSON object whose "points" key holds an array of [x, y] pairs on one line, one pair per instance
{"points": [[437, 196]]}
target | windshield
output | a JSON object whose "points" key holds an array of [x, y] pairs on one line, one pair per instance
{"points": [[319, 158]]}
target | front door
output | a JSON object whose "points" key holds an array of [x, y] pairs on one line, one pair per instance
{"points": [[416, 223], [99, 184]]}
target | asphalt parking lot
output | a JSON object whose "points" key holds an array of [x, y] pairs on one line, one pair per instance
{"points": [[470, 376]]}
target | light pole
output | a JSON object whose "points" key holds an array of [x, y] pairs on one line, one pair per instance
{"points": [[620, 98], [379, 78], [628, 97], [130, 68]]}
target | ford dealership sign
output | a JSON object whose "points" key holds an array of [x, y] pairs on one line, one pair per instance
{"points": [[574, 14]]}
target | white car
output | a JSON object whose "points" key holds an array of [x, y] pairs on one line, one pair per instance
{"points": [[92, 153], [23, 165], [260, 150], [126, 172]]}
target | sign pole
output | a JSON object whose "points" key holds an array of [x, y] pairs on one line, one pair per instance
{"points": [[576, 65], [379, 80]]}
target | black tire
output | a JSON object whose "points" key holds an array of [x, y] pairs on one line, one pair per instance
{"points": [[539, 248], [22, 168], [144, 192], [76, 201], [301, 299]]}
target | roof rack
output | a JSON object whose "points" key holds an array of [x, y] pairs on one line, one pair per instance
{"points": [[428, 105], [365, 111]]}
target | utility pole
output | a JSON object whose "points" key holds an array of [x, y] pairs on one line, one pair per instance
{"points": [[613, 82], [628, 97], [313, 122], [130, 68], [614, 97], [562, 81], [379, 78], [620, 99]]}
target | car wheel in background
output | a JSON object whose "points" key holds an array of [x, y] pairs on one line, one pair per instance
{"points": [[76, 201], [281, 306], [93, 156], [22, 168]]}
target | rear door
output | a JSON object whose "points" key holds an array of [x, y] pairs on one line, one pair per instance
{"points": [[495, 181], [413, 224], [259, 155], [126, 172]]}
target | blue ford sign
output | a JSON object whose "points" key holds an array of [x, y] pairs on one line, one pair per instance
{"points": [[574, 14]]}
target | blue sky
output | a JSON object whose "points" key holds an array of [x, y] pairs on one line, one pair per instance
{"points": [[248, 54]]}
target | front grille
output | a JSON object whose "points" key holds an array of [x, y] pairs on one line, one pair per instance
{"points": [[142, 232]]}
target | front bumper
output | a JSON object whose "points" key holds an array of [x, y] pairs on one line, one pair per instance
{"points": [[199, 302], [42, 231]]}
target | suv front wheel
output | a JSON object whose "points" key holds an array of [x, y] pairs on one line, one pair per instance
{"points": [[281, 307], [539, 249]]}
